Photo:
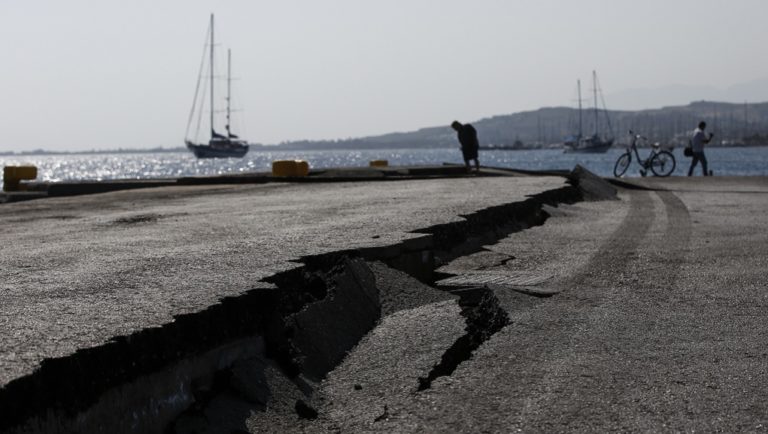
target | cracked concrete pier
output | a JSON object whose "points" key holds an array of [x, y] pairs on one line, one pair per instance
{"points": [[460, 304], [102, 290]]}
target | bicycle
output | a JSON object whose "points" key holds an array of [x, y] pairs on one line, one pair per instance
{"points": [[661, 163]]}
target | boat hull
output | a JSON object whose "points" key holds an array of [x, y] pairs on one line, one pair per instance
{"points": [[589, 150], [588, 147], [235, 150]]}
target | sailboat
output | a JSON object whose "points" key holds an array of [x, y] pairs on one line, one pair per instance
{"points": [[594, 143], [220, 145]]}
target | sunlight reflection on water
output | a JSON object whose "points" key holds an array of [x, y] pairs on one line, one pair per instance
{"points": [[724, 161]]}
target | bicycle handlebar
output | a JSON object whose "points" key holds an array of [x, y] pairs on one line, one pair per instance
{"points": [[637, 136]]}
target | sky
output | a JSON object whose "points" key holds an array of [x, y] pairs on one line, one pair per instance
{"points": [[105, 74]]}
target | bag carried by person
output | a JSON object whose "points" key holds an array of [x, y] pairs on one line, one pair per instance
{"points": [[688, 151]]}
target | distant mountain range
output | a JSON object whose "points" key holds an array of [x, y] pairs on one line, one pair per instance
{"points": [[547, 127], [733, 124]]}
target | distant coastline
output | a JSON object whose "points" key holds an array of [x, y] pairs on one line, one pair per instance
{"points": [[545, 128], [277, 148]]}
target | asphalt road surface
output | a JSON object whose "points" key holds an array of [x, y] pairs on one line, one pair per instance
{"points": [[78, 271], [659, 325], [643, 314]]}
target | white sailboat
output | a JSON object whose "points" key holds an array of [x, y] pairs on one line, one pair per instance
{"points": [[219, 145], [593, 143]]}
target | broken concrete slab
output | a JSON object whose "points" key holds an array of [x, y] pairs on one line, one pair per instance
{"points": [[325, 330], [155, 221], [592, 186]]}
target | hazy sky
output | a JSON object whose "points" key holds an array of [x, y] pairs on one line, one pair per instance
{"points": [[102, 74]]}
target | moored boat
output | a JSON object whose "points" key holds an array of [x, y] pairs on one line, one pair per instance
{"points": [[226, 145], [589, 144]]}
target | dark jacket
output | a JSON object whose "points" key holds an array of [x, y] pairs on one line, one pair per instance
{"points": [[469, 143]]}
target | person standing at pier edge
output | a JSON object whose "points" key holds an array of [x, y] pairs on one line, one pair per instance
{"points": [[697, 146], [469, 143]]}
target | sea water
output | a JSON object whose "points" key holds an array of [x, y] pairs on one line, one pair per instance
{"points": [[739, 161]]}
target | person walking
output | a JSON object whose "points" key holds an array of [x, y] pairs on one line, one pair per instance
{"points": [[698, 141], [469, 143]]}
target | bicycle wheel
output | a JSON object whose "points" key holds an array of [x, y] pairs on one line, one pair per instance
{"points": [[663, 163], [622, 164]]}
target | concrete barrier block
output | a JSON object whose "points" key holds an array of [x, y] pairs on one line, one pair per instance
{"points": [[12, 175], [290, 168]]}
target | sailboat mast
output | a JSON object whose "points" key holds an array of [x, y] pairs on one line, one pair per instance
{"points": [[229, 86], [746, 121], [594, 85], [578, 85], [211, 69]]}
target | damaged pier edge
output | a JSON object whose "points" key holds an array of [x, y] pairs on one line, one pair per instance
{"points": [[285, 313]]}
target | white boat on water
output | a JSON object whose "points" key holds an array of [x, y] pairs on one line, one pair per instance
{"points": [[219, 145], [594, 143]]}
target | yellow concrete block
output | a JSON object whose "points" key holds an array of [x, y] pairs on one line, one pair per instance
{"points": [[290, 168], [302, 168], [13, 174], [379, 163]]}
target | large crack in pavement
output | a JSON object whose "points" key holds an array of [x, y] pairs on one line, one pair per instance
{"points": [[298, 325], [484, 318]]}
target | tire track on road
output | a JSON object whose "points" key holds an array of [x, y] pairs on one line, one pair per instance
{"points": [[677, 235], [586, 296], [613, 258], [590, 375]]}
